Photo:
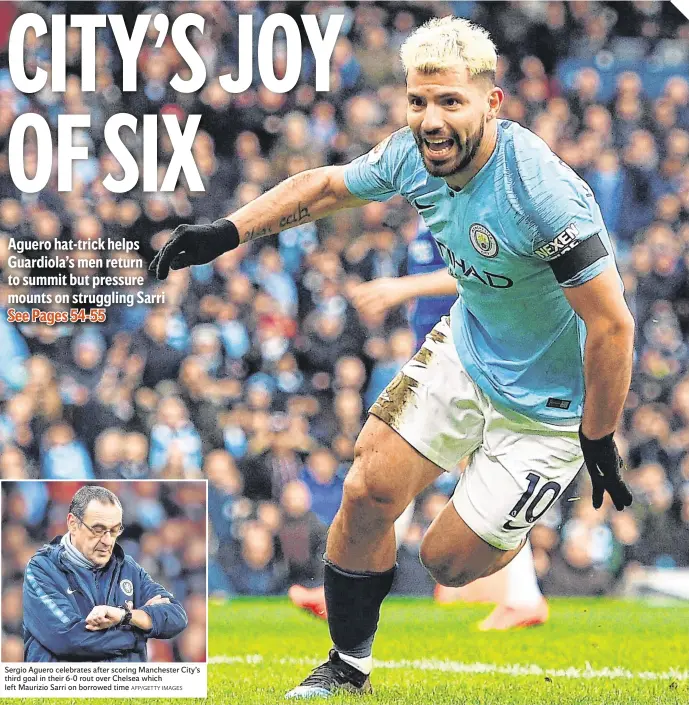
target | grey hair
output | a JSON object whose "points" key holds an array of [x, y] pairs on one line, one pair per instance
{"points": [[87, 494]]}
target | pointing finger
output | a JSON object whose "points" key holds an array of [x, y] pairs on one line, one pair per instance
{"points": [[170, 250]]}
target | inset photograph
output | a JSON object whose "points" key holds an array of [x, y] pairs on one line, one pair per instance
{"points": [[104, 572]]}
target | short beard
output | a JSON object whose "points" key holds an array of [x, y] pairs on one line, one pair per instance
{"points": [[446, 170]]}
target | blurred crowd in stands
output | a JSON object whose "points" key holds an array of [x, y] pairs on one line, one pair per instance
{"points": [[256, 372], [165, 533]]}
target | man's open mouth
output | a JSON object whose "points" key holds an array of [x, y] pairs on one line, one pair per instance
{"points": [[438, 147]]}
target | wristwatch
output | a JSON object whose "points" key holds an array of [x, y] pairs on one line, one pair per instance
{"points": [[127, 617]]}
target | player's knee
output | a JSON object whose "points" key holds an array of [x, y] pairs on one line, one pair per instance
{"points": [[362, 488], [447, 574], [366, 485], [354, 490], [445, 569]]}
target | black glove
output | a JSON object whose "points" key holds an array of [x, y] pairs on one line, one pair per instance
{"points": [[194, 244], [605, 467]]}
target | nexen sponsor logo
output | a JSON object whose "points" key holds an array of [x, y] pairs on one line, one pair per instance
{"points": [[564, 242], [457, 265]]}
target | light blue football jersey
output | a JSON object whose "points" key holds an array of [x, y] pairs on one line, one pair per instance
{"points": [[501, 236]]}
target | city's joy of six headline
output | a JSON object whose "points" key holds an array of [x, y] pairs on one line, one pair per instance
{"points": [[129, 45]]}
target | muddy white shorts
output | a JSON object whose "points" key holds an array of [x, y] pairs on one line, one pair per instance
{"points": [[518, 466]]}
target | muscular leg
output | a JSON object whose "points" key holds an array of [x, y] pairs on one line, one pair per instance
{"points": [[360, 556], [386, 475], [494, 496], [455, 556], [444, 421]]}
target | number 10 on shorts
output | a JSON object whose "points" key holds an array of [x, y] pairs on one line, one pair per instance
{"points": [[535, 509]]}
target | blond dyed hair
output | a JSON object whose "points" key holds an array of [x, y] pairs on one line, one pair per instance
{"points": [[450, 43]]}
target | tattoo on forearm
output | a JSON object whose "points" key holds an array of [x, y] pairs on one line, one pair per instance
{"points": [[301, 213], [254, 233]]}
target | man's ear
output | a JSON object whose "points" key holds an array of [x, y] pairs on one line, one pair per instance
{"points": [[495, 99], [72, 523]]}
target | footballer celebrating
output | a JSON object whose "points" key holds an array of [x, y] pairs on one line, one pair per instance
{"points": [[528, 375], [433, 290]]}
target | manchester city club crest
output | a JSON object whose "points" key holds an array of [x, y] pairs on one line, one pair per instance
{"points": [[483, 240], [127, 587]]}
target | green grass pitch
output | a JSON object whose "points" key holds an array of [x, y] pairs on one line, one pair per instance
{"points": [[590, 652]]}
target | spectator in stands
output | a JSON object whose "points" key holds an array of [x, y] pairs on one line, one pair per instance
{"points": [[267, 473], [134, 464], [109, 452], [320, 475], [161, 360], [174, 430], [63, 455], [257, 571], [301, 535], [572, 571], [224, 486]]}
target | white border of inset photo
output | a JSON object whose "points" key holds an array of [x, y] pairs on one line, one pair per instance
{"points": [[110, 677]]}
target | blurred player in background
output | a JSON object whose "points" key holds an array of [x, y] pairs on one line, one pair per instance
{"points": [[540, 319], [432, 290]]}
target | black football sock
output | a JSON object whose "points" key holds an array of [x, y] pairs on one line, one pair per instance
{"points": [[353, 601]]}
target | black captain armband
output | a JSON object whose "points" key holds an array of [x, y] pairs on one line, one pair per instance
{"points": [[582, 255]]}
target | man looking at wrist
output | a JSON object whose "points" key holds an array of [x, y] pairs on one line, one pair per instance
{"points": [[84, 599]]}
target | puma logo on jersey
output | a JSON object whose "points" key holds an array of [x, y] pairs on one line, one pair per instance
{"points": [[564, 242]]}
